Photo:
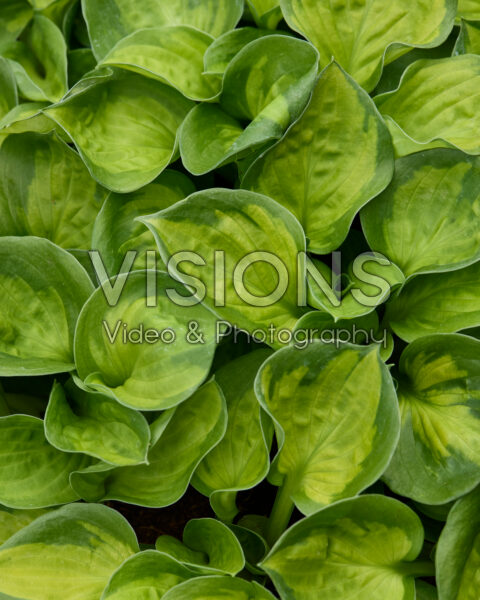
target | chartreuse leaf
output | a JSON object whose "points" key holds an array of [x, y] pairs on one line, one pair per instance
{"points": [[218, 588], [469, 9], [437, 459], [51, 287], [361, 548], [458, 555], [34, 474], [425, 591], [436, 100], [363, 35], [426, 220], [330, 163], [266, 13], [137, 347], [14, 17], [66, 554], [27, 116], [241, 460], [116, 231], [13, 520], [128, 157], [438, 303], [468, 41], [78, 421], [173, 55], [268, 98], [109, 21], [208, 547], [336, 420], [8, 85], [257, 239], [146, 576], [45, 190], [39, 61], [196, 427], [221, 52]]}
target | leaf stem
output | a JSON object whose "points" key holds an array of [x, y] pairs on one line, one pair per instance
{"points": [[281, 514], [420, 568]]}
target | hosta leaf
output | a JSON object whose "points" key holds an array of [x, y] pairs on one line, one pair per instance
{"points": [[116, 231], [336, 420], [425, 591], [77, 421], [51, 287], [173, 55], [34, 474], [45, 190], [14, 17], [267, 98], [330, 163], [362, 35], [12, 520], [146, 576], [109, 21], [437, 459], [254, 547], [66, 554], [208, 547], [241, 460], [128, 157], [80, 62], [138, 349], [438, 303], [426, 220], [39, 61], [8, 85], [196, 427], [361, 548], [221, 52], [469, 9], [468, 41], [458, 554], [25, 117], [266, 13], [239, 224], [218, 588], [437, 100]]}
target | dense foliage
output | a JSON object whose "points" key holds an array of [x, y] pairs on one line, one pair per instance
{"points": [[238, 242]]}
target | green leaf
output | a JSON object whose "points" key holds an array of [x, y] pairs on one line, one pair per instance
{"points": [[361, 548], [45, 190], [241, 460], [196, 427], [325, 184], [77, 421], [437, 459], [14, 17], [425, 591], [39, 61], [468, 41], [34, 474], [266, 13], [145, 576], [128, 157], [254, 547], [268, 99], [438, 303], [51, 287], [8, 85], [222, 51], [137, 348], [208, 547], [240, 225], [25, 117], [218, 588], [109, 21], [457, 556], [436, 100], [116, 231], [425, 221], [80, 62], [336, 420], [365, 35], [13, 520], [469, 9], [70, 551], [172, 55]]}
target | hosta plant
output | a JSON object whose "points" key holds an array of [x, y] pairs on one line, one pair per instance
{"points": [[239, 299]]}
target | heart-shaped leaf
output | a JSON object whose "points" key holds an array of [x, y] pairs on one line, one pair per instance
{"points": [[218, 588], [437, 459]]}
